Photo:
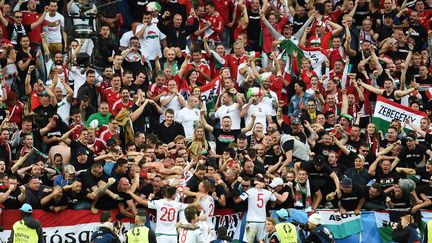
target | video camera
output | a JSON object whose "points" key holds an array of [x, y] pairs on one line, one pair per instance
{"points": [[299, 225], [391, 224]]}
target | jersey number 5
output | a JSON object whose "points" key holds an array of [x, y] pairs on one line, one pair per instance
{"points": [[260, 200]]}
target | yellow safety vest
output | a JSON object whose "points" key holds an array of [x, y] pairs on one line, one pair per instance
{"points": [[287, 232], [23, 233], [138, 235], [429, 229]]}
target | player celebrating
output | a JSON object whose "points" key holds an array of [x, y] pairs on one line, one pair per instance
{"points": [[256, 213]]}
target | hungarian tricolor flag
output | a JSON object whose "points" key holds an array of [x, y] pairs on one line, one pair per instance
{"points": [[387, 110]]}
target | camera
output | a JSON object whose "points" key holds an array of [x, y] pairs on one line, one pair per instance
{"points": [[300, 225], [391, 224]]}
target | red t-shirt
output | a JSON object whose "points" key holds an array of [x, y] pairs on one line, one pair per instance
{"points": [[217, 25], [118, 105], [111, 97], [28, 19]]}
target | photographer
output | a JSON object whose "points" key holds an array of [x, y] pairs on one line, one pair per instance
{"points": [[317, 232], [406, 231], [105, 232]]}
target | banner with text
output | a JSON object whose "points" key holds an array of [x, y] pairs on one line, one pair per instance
{"points": [[387, 110]]}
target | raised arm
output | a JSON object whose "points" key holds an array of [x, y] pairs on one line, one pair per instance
{"points": [[40, 20], [372, 89], [372, 167], [249, 125], [3, 19], [204, 122]]}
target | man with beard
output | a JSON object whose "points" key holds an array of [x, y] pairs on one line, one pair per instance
{"points": [[307, 194], [383, 174], [375, 197]]}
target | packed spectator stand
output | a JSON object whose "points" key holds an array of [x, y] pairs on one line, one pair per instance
{"points": [[111, 104]]}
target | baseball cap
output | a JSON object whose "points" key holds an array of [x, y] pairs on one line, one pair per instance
{"points": [[346, 182], [361, 157], [315, 41], [276, 182], [241, 136], [318, 160], [70, 169], [429, 161], [347, 116], [26, 208], [411, 136], [296, 121], [315, 219], [82, 151], [282, 213]]}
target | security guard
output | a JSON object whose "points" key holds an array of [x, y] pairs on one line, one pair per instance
{"points": [[286, 231], [27, 230], [140, 233]]}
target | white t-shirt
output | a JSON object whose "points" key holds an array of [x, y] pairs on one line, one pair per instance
{"points": [[52, 27], [174, 104], [61, 74], [79, 79], [231, 111], [268, 100], [150, 41], [191, 236], [188, 118], [166, 215], [125, 39], [257, 201], [261, 112], [63, 110]]}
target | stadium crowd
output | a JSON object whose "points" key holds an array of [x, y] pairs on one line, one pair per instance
{"points": [[245, 104]]}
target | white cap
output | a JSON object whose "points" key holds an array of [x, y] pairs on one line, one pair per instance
{"points": [[315, 219], [276, 182]]}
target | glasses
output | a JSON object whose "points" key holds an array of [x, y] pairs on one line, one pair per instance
{"points": [[18, 17]]}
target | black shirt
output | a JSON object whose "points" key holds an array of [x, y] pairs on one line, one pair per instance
{"points": [[411, 158], [223, 138], [167, 134], [12, 200], [427, 191], [75, 145], [193, 183], [424, 175], [350, 200], [386, 180]]}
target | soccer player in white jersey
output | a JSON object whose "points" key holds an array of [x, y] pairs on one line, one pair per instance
{"points": [[166, 213], [208, 205], [191, 233], [256, 214]]}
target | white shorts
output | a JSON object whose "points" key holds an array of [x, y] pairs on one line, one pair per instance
{"points": [[255, 230], [166, 238]]}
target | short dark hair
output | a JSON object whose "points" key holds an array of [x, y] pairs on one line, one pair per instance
{"points": [[105, 216]]}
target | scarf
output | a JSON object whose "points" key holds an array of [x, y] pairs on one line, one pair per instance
{"points": [[303, 191]]}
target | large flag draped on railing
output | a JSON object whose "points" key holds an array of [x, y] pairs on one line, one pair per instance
{"points": [[78, 225]]}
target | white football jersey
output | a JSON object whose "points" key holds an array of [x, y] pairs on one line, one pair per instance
{"points": [[257, 201], [166, 215], [208, 205], [190, 236]]}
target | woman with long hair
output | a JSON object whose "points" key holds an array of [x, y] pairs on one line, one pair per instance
{"points": [[372, 137], [199, 144]]}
